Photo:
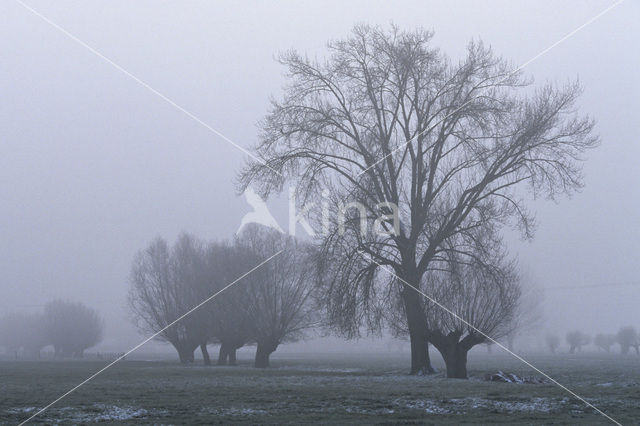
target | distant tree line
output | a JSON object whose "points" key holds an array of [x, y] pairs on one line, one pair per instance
{"points": [[71, 328], [627, 337]]}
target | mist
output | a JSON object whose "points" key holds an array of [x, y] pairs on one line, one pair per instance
{"points": [[94, 165]]}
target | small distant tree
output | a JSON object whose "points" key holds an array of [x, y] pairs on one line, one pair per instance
{"points": [[627, 338], [72, 327], [604, 341], [552, 342], [19, 331], [279, 300], [576, 340]]}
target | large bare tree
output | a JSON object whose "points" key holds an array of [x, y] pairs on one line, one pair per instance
{"points": [[388, 118]]}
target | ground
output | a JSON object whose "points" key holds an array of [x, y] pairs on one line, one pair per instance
{"points": [[339, 388]]}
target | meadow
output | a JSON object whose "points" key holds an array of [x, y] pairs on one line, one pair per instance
{"points": [[354, 388]]}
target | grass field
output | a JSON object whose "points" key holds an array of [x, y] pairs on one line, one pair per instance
{"points": [[340, 388]]}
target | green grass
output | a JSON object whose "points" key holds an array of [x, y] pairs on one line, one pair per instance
{"points": [[340, 388]]}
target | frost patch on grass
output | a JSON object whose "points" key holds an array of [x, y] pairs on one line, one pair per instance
{"points": [[463, 405], [543, 405], [21, 410], [427, 405], [90, 414], [501, 376], [233, 411], [378, 411]]}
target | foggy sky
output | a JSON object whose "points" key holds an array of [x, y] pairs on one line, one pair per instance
{"points": [[93, 165]]}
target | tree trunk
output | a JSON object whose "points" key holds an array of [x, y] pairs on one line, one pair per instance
{"points": [[263, 351], [185, 354], [454, 351], [420, 360], [223, 354], [455, 358], [232, 356], [205, 354]]}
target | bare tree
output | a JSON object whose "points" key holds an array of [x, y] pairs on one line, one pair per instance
{"points": [[627, 338], [552, 342], [605, 341], [72, 327], [163, 287], [229, 322], [576, 340], [279, 299], [387, 120], [484, 299]]}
